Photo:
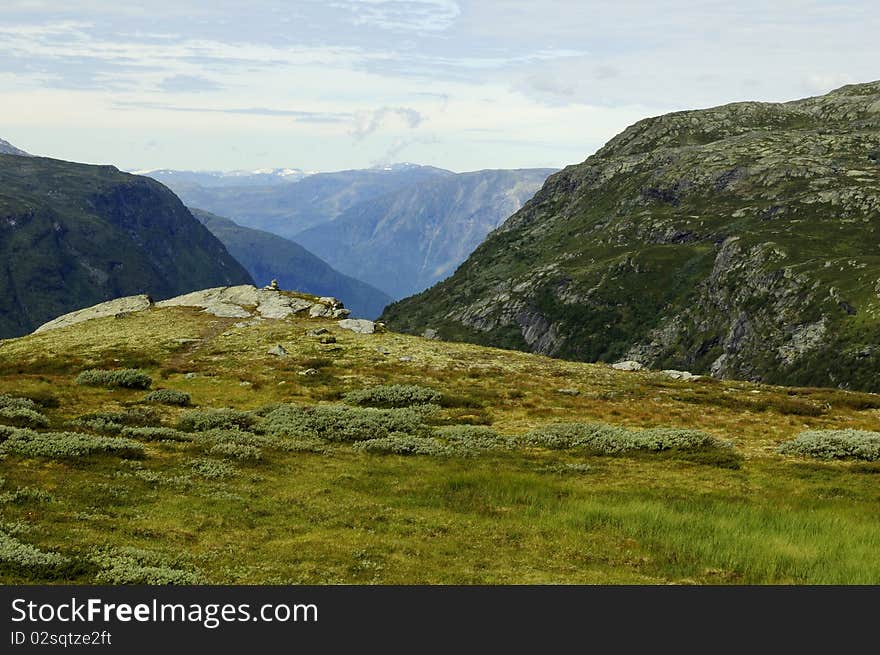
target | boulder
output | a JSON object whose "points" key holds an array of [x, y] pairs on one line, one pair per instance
{"points": [[358, 325], [679, 375], [628, 365], [320, 310], [277, 350]]}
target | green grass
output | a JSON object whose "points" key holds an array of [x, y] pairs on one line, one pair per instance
{"points": [[253, 506]]}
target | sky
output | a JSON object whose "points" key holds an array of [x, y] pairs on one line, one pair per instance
{"points": [[460, 84]]}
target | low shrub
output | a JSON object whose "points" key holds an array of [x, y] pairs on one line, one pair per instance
{"points": [[168, 397], [29, 560], [612, 440], [472, 438], [130, 566], [25, 495], [68, 445], [201, 420], [212, 469], [14, 402], [393, 395], [341, 423], [156, 434], [403, 444], [232, 450], [23, 418], [134, 416], [128, 378], [835, 444]]}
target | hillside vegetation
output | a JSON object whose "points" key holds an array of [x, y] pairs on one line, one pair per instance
{"points": [[171, 446], [739, 241]]}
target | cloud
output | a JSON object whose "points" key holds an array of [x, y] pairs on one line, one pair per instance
{"points": [[188, 84], [368, 122], [298, 115], [403, 15]]}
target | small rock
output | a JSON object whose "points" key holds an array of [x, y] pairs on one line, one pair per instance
{"points": [[358, 325], [190, 376], [278, 351], [405, 358], [245, 383], [628, 365], [569, 392], [430, 333], [679, 375], [334, 303], [282, 382], [327, 338], [317, 332], [320, 311], [383, 351], [308, 371], [272, 286]]}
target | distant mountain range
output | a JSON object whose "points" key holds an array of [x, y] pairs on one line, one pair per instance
{"points": [[740, 241], [406, 240], [73, 235], [268, 256], [401, 228], [289, 208], [178, 180]]}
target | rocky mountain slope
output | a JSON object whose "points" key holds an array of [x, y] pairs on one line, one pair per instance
{"points": [[269, 257], [739, 241], [177, 179], [407, 240], [72, 235], [288, 209]]}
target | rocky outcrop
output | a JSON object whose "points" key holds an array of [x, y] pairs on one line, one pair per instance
{"points": [[242, 301], [119, 307], [738, 241]]}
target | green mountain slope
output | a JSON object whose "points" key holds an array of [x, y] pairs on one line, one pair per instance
{"points": [[73, 235], [267, 256], [407, 240], [739, 241]]}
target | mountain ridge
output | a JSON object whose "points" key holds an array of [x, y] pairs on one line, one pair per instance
{"points": [[737, 240]]}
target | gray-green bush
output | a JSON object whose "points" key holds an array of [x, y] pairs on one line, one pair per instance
{"points": [[341, 423], [835, 444], [129, 566], [14, 402], [201, 420], [404, 444], [393, 395], [23, 418], [156, 434], [68, 445], [128, 378], [612, 440], [472, 439], [212, 469], [168, 397], [232, 450], [29, 560]]}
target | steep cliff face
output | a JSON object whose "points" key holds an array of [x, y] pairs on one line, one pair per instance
{"points": [[739, 241], [73, 235]]}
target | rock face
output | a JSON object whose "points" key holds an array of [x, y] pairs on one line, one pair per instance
{"points": [[75, 235], [739, 241], [243, 301], [7, 148]]}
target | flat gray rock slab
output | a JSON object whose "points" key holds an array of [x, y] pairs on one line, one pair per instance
{"points": [[359, 325], [109, 308]]}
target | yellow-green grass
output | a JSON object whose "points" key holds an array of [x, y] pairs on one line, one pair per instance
{"points": [[526, 515]]}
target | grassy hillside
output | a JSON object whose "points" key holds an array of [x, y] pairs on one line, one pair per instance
{"points": [[297, 493], [739, 241], [73, 235], [269, 257]]}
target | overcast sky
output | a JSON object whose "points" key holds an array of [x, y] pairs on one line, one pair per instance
{"points": [[462, 84]]}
